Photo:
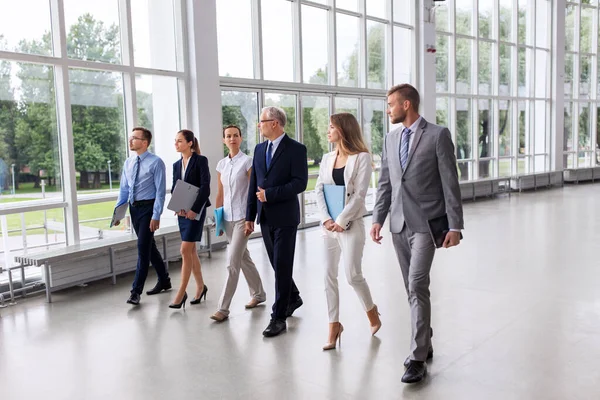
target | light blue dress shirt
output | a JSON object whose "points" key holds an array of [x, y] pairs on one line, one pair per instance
{"points": [[150, 182]]}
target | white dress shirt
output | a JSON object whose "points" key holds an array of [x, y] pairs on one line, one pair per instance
{"points": [[275, 145], [234, 177]]}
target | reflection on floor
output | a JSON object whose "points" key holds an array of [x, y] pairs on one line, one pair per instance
{"points": [[516, 311]]}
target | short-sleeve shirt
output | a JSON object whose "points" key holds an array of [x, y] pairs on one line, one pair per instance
{"points": [[235, 181]]}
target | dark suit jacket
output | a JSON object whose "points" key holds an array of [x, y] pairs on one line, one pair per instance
{"points": [[197, 174], [283, 181]]}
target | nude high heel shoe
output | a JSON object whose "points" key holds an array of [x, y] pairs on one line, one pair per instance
{"points": [[374, 320], [335, 335]]}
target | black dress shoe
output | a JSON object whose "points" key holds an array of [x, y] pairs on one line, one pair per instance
{"points": [[275, 327], [160, 286], [416, 371], [429, 357], [294, 306], [134, 299]]}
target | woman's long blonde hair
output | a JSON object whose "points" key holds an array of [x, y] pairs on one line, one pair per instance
{"points": [[352, 138]]}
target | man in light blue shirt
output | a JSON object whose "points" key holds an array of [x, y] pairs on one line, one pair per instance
{"points": [[143, 187]]}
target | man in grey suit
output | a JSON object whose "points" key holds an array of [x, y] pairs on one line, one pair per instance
{"points": [[418, 182]]}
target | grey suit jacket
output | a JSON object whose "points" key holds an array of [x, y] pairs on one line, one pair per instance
{"points": [[427, 189]]}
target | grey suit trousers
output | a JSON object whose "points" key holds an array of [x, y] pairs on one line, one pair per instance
{"points": [[415, 253]]}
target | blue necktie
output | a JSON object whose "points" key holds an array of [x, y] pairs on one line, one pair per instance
{"points": [[269, 155], [404, 145], [136, 173]]}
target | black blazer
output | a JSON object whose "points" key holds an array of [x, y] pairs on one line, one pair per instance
{"points": [[197, 174], [283, 181]]}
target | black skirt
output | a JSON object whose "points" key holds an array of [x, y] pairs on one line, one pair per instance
{"points": [[191, 230]]}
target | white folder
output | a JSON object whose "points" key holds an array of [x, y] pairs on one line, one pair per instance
{"points": [[119, 213]]}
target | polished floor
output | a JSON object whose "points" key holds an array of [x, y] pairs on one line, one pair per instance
{"points": [[516, 313]]}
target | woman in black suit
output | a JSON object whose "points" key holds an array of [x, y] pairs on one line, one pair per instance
{"points": [[191, 168]]}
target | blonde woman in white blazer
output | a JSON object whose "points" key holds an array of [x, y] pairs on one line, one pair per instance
{"points": [[350, 165]]}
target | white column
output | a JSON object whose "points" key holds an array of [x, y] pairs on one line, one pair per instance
{"points": [[205, 91], [558, 85], [65, 123], [426, 37]]}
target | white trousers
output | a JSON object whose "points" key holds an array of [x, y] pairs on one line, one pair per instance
{"points": [[349, 245], [238, 258]]}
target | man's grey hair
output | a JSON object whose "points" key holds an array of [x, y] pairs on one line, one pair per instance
{"points": [[277, 114]]}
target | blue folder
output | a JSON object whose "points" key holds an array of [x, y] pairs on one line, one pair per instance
{"points": [[219, 221], [335, 198]]}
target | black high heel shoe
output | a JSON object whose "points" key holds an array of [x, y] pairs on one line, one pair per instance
{"points": [[199, 299], [182, 303]]}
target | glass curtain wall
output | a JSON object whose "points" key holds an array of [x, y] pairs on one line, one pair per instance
{"points": [[493, 84], [582, 88], [112, 84], [322, 60]]}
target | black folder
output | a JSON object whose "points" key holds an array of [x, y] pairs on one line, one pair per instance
{"points": [[438, 228]]}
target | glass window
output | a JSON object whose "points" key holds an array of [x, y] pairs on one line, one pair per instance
{"points": [[569, 74], [98, 127], [277, 40], [378, 8], [315, 122], [504, 129], [234, 36], [523, 165], [241, 109], [506, 14], [585, 76], [463, 129], [524, 131], [524, 71], [153, 27], [29, 147], [402, 55], [464, 11], [485, 137], [315, 57], [524, 32], [93, 32], [441, 64], [442, 111], [505, 70], [584, 124], [485, 68], [464, 58], [441, 18], [23, 31], [543, 24], [542, 59], [346, 104], [403, 12], [586, 29], [541, 128], [486, 14], [347, 50], [94, 221], [505, 167], [570, 27], [374, 119], [568, 134], [158, 110], [288, 103], [376, 55], [351, 5]]}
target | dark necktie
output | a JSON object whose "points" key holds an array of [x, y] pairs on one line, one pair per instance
{"points": [[136, 173], [269, 155], [404, 145]]}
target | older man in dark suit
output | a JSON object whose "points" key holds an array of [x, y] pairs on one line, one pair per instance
{"points": [[279, 174]]}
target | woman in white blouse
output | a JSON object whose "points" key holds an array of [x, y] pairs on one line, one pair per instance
{"points": [[233, 174], [349, 165]]}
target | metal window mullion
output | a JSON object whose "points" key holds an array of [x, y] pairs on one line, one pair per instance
{"points": [[129, 92], [65, 122], [182, 46], [297, 40], [514, 139], [389, 48], [363, 66], [475, 89], [332, 46], [452, 50], [257, 39]]}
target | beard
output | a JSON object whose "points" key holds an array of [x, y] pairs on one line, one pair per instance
{"points": [[398, 120]]}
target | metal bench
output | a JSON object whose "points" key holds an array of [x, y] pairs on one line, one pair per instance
{"points": [[77, 264], [576, 175]]}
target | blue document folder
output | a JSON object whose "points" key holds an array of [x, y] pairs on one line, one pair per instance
{"points": [[219, 221], [335, 198]]}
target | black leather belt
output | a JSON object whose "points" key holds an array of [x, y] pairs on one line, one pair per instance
{"points": [[139, 203]]}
